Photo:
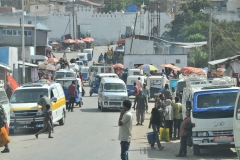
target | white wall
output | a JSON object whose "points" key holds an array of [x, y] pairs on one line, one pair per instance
{"points": [[232, 5], [104, 27], [156, 60], [139, 46]]}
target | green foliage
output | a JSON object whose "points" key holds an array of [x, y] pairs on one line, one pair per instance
{"points": [[191, 25], [118, 5], [198, 58]]}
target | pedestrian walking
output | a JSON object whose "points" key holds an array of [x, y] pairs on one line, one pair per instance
{"points": [[3, 120], [166, 92], [141, 101], [64, 56], [139, 83], [156, 121], [71, 94], [184, 129], [177, 108], [9, 90], [169, 116], [44, 101], [146, 93], [136, 89], [125, 129], [47, 122]]}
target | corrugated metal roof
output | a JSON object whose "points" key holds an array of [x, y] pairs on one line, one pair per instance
{"points": [[3, 65], [42, 27], [218, 61]]}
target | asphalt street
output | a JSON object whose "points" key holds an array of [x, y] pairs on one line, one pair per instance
{"points": [[90, 134]]}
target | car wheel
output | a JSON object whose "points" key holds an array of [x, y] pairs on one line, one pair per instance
{"points": [[11, 131], [103, 110], [196, 150], [99, 107], [62, 121]]}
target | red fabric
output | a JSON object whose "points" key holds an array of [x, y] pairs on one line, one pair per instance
{"points": [[189, 70], [136, 90], [71, 89], [12, 82]]}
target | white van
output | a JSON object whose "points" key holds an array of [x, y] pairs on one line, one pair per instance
{"points": [[26, 113], [111, 93], [236, 125], [4, 101]]}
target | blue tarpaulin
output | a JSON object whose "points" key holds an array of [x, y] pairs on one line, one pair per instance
{"points": [[131, 8]]}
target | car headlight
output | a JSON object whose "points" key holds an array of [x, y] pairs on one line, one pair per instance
{"points": [[124, 98], [39, 112], [105, 98], [12, 114], [202, 134]]}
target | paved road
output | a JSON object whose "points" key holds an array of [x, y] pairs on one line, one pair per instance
{"points": [[90, 134]]}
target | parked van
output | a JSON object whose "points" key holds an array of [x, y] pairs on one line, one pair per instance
{"points": [[111, 93], [25, 113], [236, 125], [4, 101]]}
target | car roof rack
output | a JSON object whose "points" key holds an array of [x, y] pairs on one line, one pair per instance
{"points": [[224, 82], [192, 76], [2, 84]]}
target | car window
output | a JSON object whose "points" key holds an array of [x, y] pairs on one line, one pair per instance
{"points": [[60, 91], [54, 93]]}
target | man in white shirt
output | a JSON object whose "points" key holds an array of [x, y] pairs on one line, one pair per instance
{"points": [[125, 129], [139, 83]]}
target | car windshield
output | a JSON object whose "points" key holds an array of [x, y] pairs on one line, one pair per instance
{"points": [[114, 87], [80, 63], [216, 100], [28, 95], [64, 74], [65, 83]]}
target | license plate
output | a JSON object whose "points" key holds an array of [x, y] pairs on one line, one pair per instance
{"points": [[24, 122], [223, 139]]}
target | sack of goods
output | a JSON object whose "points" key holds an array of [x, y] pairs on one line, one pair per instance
{"points": [[224, 81], [4, 139]]}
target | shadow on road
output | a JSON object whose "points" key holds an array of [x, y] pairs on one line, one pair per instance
{"points": [[90, 110]]}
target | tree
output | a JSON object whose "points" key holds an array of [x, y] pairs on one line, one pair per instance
{"points": [[198, 58]]}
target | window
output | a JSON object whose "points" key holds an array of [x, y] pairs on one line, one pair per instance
{"points": [[28, 95], [4, 32], [9, 32], [14, 32], [54, 93], [60, 91], [177, 60], [28, 33], [114, 87]]}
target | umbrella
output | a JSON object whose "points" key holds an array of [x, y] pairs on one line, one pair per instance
{"points": [[52, 60], [175, 68], [54, 43], [88, 39], [47, 67], [121, 41], [118, 65], [78, 41], [69, 41], [148, 67]]}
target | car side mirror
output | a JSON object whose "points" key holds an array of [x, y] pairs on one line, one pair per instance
{"points": [[54, 99], [188, 105]]}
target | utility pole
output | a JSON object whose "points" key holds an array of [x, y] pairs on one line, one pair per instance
{"points": [[35, 33], [133, 32], [23, 44], [210, 40], [73, 20]]}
